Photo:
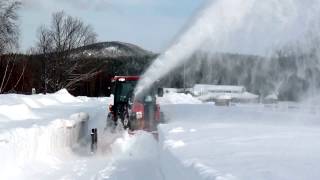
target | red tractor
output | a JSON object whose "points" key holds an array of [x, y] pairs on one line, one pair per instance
{"points": [[134, 113]]}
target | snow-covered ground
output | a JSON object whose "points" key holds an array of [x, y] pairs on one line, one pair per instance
{"points": [[46, 137], [251, 142]]}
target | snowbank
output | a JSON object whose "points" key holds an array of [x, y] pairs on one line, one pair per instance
{"points": [[20, 146], [16, 112], [40, 128], [14, 107], [178, 98]]}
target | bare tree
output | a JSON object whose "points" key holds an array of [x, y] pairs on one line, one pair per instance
{"points": [[69, 32], [44, 47], [12, 71], [6, 76], [9, 31], [55, 44], [9, 35]]}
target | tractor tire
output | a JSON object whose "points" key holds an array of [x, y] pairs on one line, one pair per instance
{"points": [[110, 124]]}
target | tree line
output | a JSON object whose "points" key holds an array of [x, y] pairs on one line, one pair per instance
{"points": [[289, 73], [49, 65]]}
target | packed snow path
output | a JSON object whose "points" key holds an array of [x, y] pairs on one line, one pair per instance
{"points": [[132, 158]]}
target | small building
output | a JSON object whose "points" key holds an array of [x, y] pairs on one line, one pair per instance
{"points": [[201, 89], [216, 93]]}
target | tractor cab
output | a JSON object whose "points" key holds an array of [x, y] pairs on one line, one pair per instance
{"points": [[123, 91]]}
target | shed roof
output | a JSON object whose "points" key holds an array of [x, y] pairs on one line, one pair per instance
{"points": [[208, 87]]}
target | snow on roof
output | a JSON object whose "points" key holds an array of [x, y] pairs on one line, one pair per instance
{"points": [[207, 87], [207, 92], [245, 95], [272, 97]]}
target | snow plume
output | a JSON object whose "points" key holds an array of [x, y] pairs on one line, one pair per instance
{"points": [[237, 26]]}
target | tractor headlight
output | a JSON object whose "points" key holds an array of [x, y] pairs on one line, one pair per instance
{"points": [[139, 115]]}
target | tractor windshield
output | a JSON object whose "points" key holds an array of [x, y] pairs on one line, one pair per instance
{"points": [[124, 91]]}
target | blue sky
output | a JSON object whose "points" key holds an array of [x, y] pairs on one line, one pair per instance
{"points": [[151, 24]]}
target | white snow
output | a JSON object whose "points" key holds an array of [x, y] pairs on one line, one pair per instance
{"points": [[16, 112], [206, 92], [240, 142], [39, 129], [178, 98], [204, 88], [112, 49], [46, 137], [273, 96]]}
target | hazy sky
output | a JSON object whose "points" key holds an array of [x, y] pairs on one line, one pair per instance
{"points": [[151, 24]]}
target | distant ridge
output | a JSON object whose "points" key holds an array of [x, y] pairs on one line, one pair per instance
{"points": [[113, 49]]}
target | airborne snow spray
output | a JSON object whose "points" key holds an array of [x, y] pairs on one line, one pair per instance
{"points": [[242, 27]]}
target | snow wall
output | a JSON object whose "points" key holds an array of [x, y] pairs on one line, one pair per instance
{"points": [[38, 143], [33, 139]]}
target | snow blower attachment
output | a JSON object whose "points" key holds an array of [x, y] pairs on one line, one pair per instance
{"points": [[134, 113]]}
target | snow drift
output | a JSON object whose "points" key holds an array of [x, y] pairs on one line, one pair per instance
{"points": [[38, 128]]}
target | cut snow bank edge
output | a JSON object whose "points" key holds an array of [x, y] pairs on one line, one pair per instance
{"points": [[40, 143]]}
